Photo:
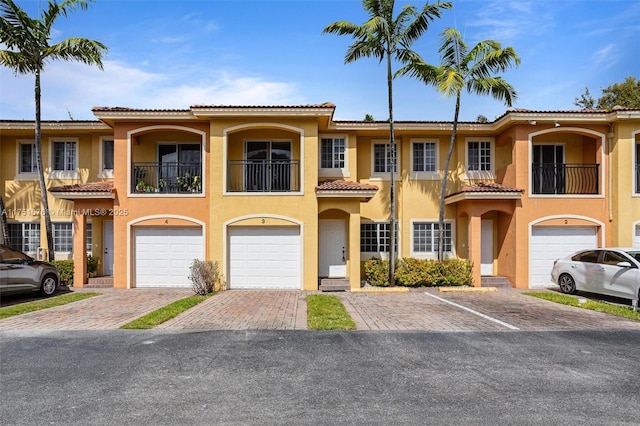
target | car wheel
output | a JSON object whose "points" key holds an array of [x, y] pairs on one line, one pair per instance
{"points": [[48, 285], [567, 284]]}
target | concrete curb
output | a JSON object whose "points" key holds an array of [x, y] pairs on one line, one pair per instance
{"points": [[380, 290], [466, 289]]}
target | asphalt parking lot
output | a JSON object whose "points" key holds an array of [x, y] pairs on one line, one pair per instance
{"points": [[416, 310]]}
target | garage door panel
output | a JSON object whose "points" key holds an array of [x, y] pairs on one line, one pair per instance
{"points": [[549, 243], [163, 255], [264, 257]]}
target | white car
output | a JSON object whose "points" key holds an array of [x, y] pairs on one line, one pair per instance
{"points": [[610, 271]]}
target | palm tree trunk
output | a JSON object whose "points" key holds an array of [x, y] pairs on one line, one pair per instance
{"points": [[43, 186], [443, 190], [3, 224], [392, 183]]}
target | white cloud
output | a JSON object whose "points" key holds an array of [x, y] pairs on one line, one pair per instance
{"points": [[72, 88]]}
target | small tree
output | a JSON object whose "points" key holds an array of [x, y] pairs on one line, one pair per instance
{"points": [[625, 94], [204, 276], [388, 38], [585, 101], [463, 69], [28, 51]]}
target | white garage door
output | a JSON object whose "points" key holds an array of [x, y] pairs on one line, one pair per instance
{"points": [[264, 257], [549, 243], [636, 240], [163, 255]]}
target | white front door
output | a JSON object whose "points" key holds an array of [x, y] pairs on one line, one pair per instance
{"points": [[486, 247], [332, 256], [107, 247]]}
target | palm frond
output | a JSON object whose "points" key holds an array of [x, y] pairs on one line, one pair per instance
{"points": [[497, 87], [423, 19], [77, 49]]}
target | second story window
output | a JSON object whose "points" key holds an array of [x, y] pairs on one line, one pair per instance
{"points": [[107, 154], [424, 157], [383, 157], [332, 153], [64, 156], [28, 163], [479, 156]]}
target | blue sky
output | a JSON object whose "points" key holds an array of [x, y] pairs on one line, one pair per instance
{"points": [[174, 54]]}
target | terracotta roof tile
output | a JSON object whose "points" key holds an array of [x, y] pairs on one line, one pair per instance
{"points": [[345, 185], [84, 187]]}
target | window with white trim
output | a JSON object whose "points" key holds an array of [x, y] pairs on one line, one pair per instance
{"points": [[383, 156], [24, 236], [107, 154], [332, 151], [374, 237], [479, 156], [64, 156], [63, 237], [424, 157], [426, 237], [89, 240], [28, 161]]}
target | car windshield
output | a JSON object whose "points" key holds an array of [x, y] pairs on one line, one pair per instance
{"points": [[635, 254]]}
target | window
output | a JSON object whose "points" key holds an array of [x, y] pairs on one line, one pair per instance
{"points": [[613, 258], [479, 156], [332, 153], [64, 156], [374, 237], [63, 237], [89, 241], [28, 162], [107, 154], [383, 157], [590, 256], [424, 157], [25, 236], [426, 237]]}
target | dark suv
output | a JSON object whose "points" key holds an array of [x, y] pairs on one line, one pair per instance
{"points": [[20, 273]]}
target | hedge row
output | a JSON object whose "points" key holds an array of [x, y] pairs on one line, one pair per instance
{"points": [[411, 272], [66, 271]]}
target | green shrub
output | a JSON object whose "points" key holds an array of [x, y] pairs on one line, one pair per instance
{"points": [[377, 272], [420, 272], [66, 271], [458, 271]]}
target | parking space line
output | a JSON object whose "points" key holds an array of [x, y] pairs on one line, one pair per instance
{"points": [[497, 321]]}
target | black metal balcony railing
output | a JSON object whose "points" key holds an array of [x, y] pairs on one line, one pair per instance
{"points": [[565, 178], [263, 176], [168, 178]]}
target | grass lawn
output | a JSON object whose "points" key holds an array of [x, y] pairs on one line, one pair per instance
{"points": [[165, 313], [607, 308], [326, 312], [37, 305]]}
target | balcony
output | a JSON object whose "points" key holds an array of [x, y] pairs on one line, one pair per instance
{"points": [[166, 178], [565, 179], [263, 176]]}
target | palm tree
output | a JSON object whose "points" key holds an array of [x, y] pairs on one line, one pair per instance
{"points": [[463, 69], [387, 38], [4, 227], [28, 50]]}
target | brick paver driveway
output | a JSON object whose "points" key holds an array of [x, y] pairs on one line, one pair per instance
{"points": [[427, 310]]}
